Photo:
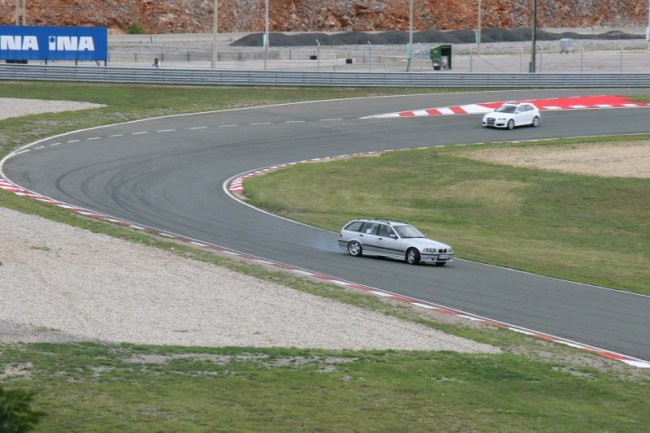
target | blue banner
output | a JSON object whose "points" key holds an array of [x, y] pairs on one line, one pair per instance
{"points": [[53, 43]]}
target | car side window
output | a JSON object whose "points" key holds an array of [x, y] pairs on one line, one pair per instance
{"points": [[354, 226], [385, 231], [371, 228]]}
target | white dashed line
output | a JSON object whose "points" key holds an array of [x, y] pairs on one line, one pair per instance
{"points": [[225, 126], [139, 133], [259, 123], [72, 141], [330, 120], [93, 138], [295, 121], [198, 127], [117, 135], [39, 147], [166, 130], [55, 144]]}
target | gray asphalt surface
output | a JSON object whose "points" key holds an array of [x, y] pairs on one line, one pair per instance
{"points": [[172, 180]]}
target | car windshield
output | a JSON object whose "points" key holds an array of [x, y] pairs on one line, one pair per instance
{"points": [[407, 231], [506, 109]]}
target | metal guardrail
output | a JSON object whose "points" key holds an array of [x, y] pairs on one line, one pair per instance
{"points": [[297, 78]]}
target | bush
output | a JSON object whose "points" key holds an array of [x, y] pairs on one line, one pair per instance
{"points": [[16, 415], [136, 29]]}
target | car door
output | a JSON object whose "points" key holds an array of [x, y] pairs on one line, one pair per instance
{"points": [[370, 239], [528, 114], [389, 242], [520, 115]]}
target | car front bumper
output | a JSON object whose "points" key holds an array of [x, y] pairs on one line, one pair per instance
{"points": [[495, 124], [433, 258]]}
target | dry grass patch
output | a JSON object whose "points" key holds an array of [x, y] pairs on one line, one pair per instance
{"points": [[622, 159]]}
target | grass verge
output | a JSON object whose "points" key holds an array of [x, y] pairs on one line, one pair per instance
{"points": [[577, 227], [103, 388]]}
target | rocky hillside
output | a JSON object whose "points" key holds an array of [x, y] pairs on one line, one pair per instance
{"points": [[176, 16]]}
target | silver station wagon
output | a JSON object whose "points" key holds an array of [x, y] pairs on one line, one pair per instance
{"points": [[395, 239]]}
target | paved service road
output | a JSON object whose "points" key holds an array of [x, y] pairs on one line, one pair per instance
{"points": [[168, 174]]}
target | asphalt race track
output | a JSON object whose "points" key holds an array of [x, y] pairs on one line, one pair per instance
{"points": [[168, 174]]}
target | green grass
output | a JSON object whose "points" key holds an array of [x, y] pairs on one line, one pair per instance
{"points": [[532, 386], [104, 388], [581, 228]]}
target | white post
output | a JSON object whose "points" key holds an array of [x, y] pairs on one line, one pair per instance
{"points": [[471, 58], [266, 32], [410, 47], [478, 32], [318, 56], [533, 53], [24, 13], [215, 29], [582, 54], [620, 66], [647, 30]]}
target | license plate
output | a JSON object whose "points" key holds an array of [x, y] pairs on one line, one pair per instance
{"points": [[443, 257]]}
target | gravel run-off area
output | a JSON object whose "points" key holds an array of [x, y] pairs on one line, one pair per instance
{"points": [[90, 286], [15, 107], [60, 283]]}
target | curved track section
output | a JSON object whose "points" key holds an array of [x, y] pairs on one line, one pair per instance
{"points": [[168, 174]]}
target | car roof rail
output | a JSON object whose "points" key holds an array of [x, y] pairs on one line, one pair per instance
{"points": [[387, 220]]}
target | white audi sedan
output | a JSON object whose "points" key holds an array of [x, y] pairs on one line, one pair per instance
{"points": [[398, 240], [513, 114]]}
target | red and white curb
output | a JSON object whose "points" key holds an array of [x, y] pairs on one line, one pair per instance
{"points": [[552, 104], [236, 188]]}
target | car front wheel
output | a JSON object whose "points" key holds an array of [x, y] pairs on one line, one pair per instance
{"points": [[536, 121], [511, 124], [413, 256], [355, 249]]}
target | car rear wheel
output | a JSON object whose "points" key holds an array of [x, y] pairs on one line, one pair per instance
{"points": [[355, 249], [536, 121], [413, 256], [511, 124]]}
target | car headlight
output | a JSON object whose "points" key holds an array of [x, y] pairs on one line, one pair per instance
{"points": [[429, 250]]}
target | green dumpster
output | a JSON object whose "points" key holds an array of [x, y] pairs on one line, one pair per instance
{"points": [[441, 57]]}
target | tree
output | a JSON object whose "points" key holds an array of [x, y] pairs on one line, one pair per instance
{"points": [[16, 414]]}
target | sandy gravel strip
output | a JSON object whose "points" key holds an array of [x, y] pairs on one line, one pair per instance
{"points": [[16, 107]]}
